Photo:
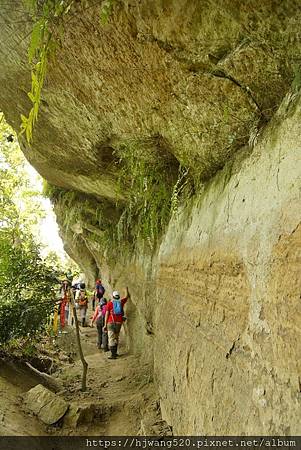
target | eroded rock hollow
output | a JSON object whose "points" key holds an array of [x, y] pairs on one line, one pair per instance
{"points": [[170, 138]]}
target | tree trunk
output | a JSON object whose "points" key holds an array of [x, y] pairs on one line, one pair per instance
{"points": [[80, 350], [46, 379]]}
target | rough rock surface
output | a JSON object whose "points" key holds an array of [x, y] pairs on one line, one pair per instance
{"points": [[232, 267], [220, 302], [215, 307], [49, 407], [181, 74], [78, 415]]}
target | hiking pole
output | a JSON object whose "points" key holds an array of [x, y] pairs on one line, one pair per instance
{"points": [[80, 350]]}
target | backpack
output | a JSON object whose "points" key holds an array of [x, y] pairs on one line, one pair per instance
{"points": [[117, 307], [100, 290], [82, 300]]}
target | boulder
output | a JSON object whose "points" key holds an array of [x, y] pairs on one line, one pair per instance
{"points": [[79, 415], [150, 428], [49, 407]]}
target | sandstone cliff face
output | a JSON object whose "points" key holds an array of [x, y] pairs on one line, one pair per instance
{"points": [[220, 302], [233, 274], [216, 303]]}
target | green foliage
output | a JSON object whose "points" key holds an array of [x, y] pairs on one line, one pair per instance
{"points": [[154, 189], [19, 202], [43, 44], [296, 83], [183, 183], [26, 281], [106, 10], [26, 287], [48, 17], [50, 191], [148, 207]]}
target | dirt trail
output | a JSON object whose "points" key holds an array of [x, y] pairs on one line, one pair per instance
{"points": [[120, 400], [14, 381], [120, 389]]}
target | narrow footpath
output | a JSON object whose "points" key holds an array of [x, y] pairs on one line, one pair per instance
{"points": [[120, 389], [121, 398]]}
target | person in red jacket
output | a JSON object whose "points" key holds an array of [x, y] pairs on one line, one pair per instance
{"points": [[113, 320]]}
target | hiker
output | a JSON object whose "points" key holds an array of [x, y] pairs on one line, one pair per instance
{"points": [[99, 289], [82, 303], [113, 320], [65, 302], [98, 292], [99, 317], [75, 287], [80, 286]]}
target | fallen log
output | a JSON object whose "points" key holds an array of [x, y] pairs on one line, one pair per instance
{"points": [[46, 380]]}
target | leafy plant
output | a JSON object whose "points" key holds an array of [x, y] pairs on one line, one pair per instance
{"points": [[182, 183], [43, 43], [26, 281], [40, 50], [48, 17], [106, 10], [26, 287], [154, 187], [153, 198]]}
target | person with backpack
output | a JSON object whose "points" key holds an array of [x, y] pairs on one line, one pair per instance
{"points": [[99, 289], [114, 319], [82, 302], [99, 317]]}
